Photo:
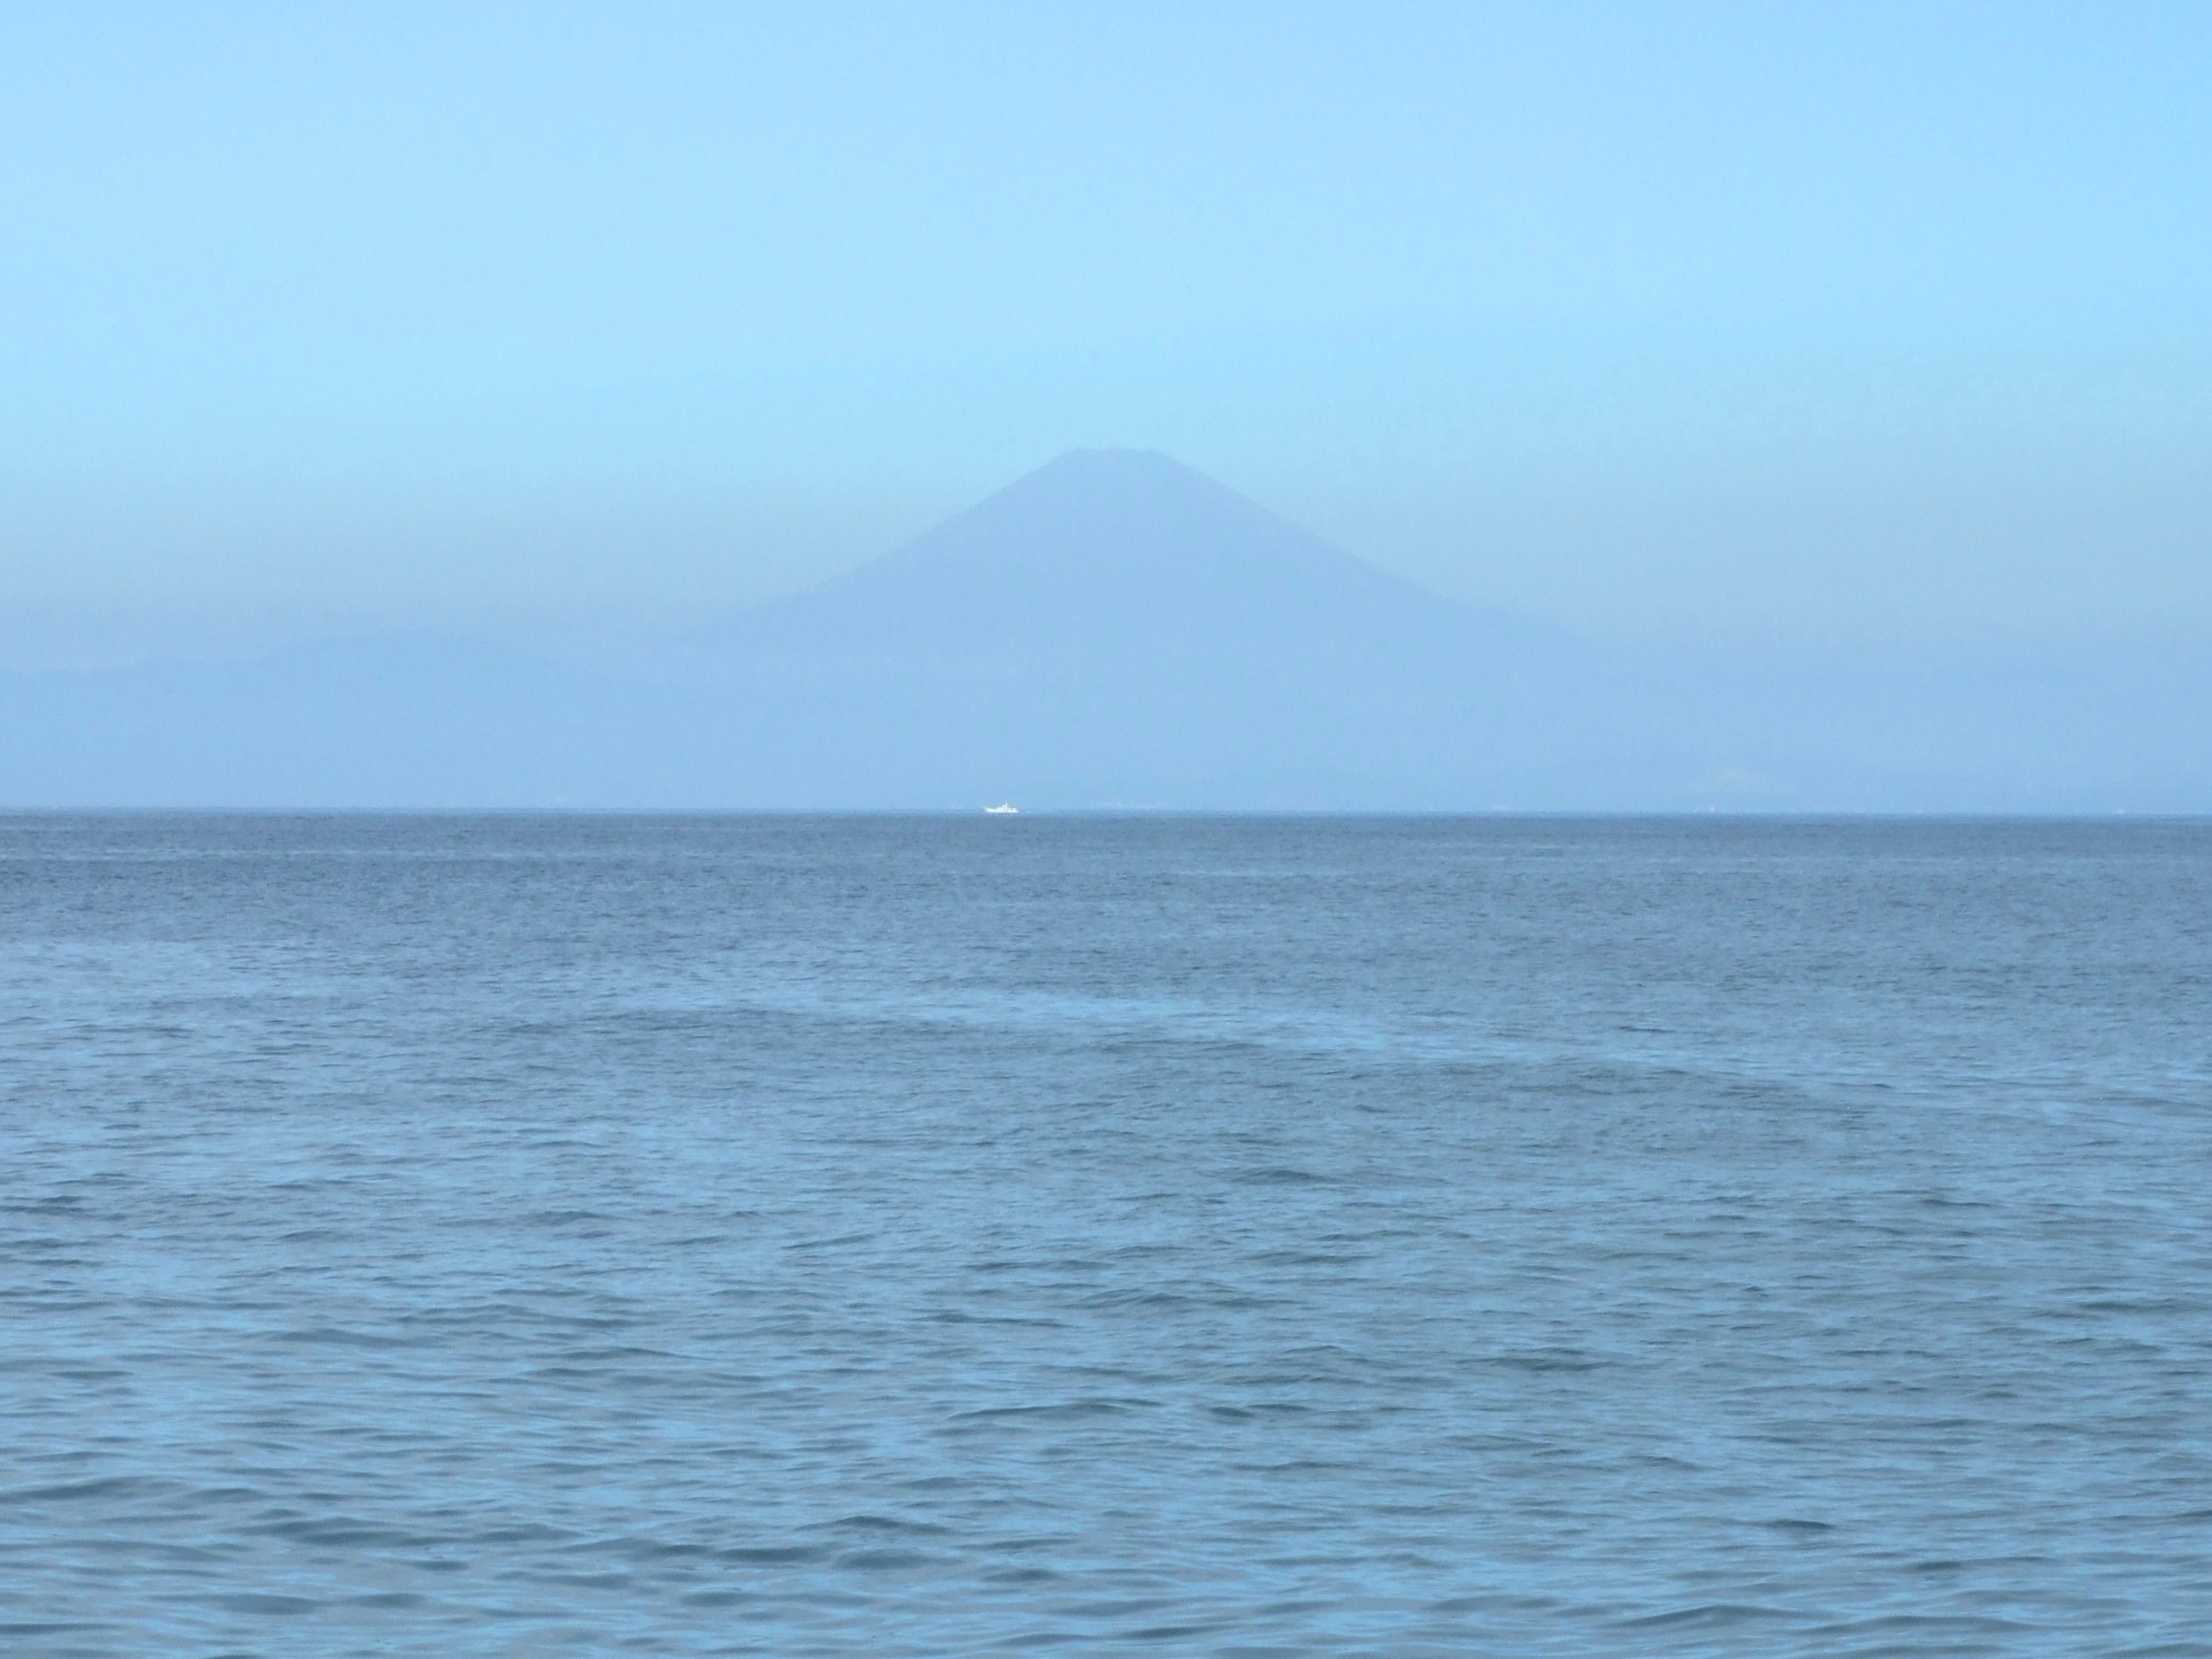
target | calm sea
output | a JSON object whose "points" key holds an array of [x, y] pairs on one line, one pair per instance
{"points": [[503, 1235]]}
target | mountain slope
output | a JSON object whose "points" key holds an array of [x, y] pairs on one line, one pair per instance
{"points": [[1115, 627], [1111, 629], [1115, 630]]}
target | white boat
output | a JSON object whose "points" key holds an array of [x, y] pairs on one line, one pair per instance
{"points": [[1006, 806]]}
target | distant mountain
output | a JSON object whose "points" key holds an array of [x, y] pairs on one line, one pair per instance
{"points": [[1113, 629]]}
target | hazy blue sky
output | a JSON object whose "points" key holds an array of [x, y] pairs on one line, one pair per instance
{"points": [[1786, 320]]}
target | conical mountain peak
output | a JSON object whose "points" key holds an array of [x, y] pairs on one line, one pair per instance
{"points": [[1115, 624], [1117, 484], [1132, 518], [1118, 555]]}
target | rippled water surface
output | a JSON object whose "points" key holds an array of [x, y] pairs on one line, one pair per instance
{"points": [[456, 1236]]}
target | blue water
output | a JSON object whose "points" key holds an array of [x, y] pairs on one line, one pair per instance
{"points": [[457, 1236]]}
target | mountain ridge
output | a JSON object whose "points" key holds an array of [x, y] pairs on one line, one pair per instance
{"points": [[1112, 628], [1115, 625], [1130, 536]]}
